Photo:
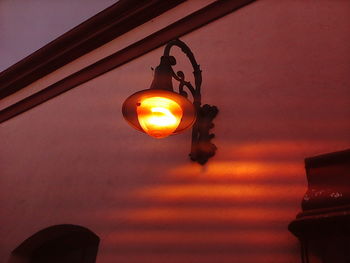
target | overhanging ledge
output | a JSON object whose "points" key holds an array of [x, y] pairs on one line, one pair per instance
{"points": [[107, 25], [183, 26]]}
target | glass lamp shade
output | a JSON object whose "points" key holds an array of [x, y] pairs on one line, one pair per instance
{"points": [[158, 116], [159, 113]]}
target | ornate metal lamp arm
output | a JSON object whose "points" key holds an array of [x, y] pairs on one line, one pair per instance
{"points": [[202, 148], [196, 92]]}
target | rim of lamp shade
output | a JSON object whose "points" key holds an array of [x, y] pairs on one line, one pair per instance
{"points": [[129, 108]]}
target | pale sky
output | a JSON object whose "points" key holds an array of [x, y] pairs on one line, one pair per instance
{"points": [[27, 25]]}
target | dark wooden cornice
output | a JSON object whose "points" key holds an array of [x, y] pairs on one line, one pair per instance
{"points": [[181, 27], [91, 34], [328, 159], [326, 203]]}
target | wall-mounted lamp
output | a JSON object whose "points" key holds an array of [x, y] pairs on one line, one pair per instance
{"points": [[159, 111]]}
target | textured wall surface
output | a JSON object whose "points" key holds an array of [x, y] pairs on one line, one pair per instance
{"points": [[279, 73]]}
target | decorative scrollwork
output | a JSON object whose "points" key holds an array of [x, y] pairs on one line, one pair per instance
{"points": [[202, 148]]}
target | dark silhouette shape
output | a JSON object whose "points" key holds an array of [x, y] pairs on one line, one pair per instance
{"points": [[58, 244], [323, 226]]}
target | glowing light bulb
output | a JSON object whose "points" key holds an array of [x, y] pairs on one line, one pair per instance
{"points": [[159, 117]]}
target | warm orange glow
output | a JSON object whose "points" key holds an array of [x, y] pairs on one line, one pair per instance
{"points": [[202, 237], [159, 113], [247, 170], [243, 193], [204, 215], [159, 117]]}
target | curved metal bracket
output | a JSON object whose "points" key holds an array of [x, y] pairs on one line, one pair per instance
{"points": [[202, 148]]}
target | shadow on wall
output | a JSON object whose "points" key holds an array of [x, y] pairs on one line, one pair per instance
{"points": [[58, 244]]}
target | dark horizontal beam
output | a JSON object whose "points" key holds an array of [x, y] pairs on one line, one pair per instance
{"points": [[91, 34], [153, 41], [328, 159]]}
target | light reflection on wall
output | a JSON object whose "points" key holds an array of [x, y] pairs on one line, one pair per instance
{"points": [[74, 160], [226, 212], [237, 170]]}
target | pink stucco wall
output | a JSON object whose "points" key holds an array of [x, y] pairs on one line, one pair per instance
{"points": [[279, 73]]}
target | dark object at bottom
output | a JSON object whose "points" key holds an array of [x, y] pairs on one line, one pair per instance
{"points": [[323, 226]]}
